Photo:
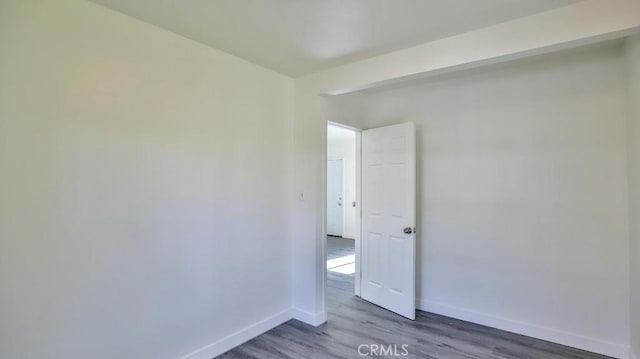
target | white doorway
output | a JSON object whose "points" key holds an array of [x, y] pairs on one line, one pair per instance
{"points": [[371, 183], [342, 211], [335, 186]]}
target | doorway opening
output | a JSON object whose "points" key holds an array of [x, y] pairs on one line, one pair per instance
{"points": [[343, 214], [371, 214]]}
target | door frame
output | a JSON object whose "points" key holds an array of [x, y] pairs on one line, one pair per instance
{"points": [[357, 246]]}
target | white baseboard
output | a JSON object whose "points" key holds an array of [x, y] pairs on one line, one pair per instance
{"points": [[314, 319], [231, 341], [633, 355], [552, 335]]}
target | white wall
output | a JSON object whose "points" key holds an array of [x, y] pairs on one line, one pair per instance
{"points": [[341, 144], [585, 22], [345, 109], [633, 68], [143, 187], [523, 193]]}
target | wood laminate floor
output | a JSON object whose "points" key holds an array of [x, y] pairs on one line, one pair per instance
{"points": [[352, 322]]}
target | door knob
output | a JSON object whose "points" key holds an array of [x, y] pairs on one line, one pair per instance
{"points": [[408, 230]]}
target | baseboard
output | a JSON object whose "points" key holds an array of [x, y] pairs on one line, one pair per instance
{"points": [[231, 341], [314, 319], [633, 355], [530, 330]]}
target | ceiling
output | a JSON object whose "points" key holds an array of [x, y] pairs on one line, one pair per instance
{"points": [[298, 37]]}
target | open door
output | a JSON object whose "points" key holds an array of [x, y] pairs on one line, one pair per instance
{"points": [[388, 244]]}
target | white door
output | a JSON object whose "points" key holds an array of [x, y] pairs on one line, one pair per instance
{"points": [[389, 218], [334, 198]]}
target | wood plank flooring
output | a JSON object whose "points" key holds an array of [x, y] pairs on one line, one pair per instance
{"points": [[339, 247], [352, 322]]}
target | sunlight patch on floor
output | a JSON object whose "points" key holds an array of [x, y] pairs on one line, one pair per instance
{"points": [[344, 265]]}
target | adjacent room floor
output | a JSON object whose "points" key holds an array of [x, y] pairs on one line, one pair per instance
{"points": [[353, 321]]}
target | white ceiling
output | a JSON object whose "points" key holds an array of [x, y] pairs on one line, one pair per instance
{"points": [[297, 37]]}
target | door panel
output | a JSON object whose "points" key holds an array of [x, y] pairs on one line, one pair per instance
{"points": [[388, 208], [334, 198]]}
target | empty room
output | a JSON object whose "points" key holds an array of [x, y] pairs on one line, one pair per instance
{"points": [[319, 179]]}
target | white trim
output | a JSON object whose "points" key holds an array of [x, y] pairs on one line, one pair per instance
{"points": [[314, 319], [358, 239], [552, 335], [633, 355], [337, 124], [233, 340], [299, 314]]}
